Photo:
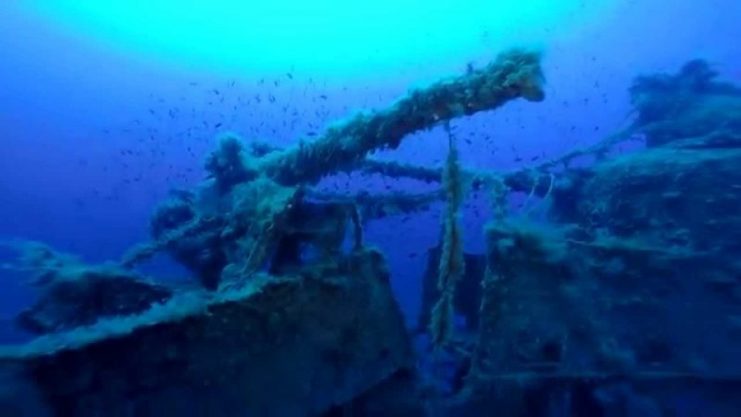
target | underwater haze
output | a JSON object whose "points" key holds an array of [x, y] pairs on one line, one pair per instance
{"points": [[387, 208]]}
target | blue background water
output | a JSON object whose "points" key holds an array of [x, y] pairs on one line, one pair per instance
{"points": [[98, 120]]}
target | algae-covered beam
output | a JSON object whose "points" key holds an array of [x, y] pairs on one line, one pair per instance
{"points": [[514, 74], [377, 206], [523, 180], [398, 170]]}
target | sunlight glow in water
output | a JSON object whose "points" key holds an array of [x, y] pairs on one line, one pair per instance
{"points": [[328, 36]]}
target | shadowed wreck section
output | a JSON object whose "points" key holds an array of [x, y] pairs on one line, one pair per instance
{"points": [[280, 346]]}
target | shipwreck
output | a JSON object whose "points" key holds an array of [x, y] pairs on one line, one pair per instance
{"points": [[585, 314]]}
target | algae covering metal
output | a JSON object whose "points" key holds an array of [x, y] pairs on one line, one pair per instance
{"points": [[613, 291], [286, 321], [282, 346], [627, 301]]}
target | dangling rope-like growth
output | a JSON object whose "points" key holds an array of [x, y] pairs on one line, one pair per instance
{"points": [[452, 263]]}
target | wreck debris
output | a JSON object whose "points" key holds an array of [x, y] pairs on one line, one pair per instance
{"points": [[74, 294], [597, 302], [688, 104], [228, 165], [292, 345], [259, 210], [589, 305], [672, 109], [252, 215], [250, 193]]}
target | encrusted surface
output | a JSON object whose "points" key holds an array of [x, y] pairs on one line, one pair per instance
{"points": [[285, 346]]}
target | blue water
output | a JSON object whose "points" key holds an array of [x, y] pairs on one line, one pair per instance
{"points": [[106, 108]]}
